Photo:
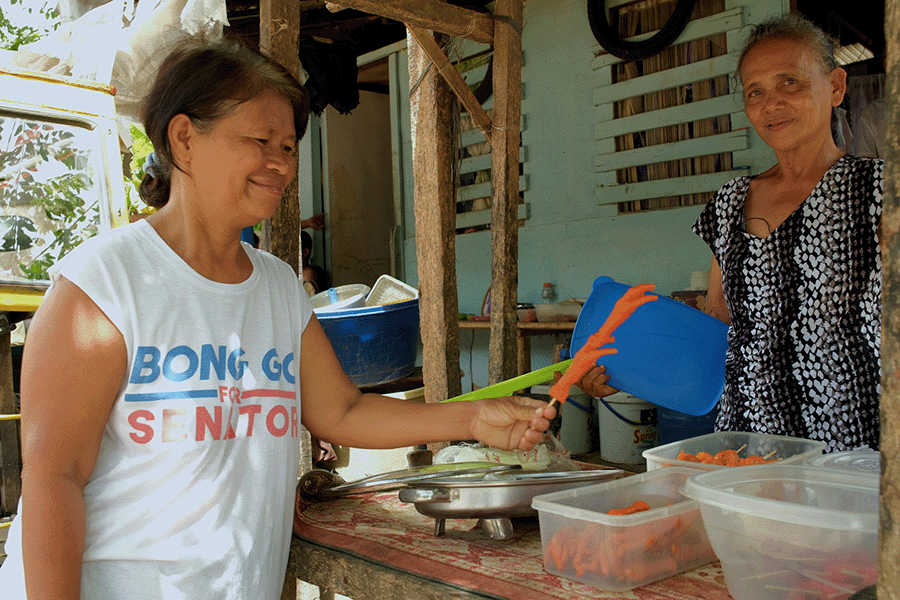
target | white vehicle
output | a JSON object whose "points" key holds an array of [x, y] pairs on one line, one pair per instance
{"points": [[61, 177]]}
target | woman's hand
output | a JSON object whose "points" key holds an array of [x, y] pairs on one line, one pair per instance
{"points": [[511, 423], [593, 383], [314, 222]]}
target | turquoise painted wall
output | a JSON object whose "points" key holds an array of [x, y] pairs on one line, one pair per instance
{"points": [[569, 239]]}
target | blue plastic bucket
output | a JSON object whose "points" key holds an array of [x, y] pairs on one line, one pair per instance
{"points": [[669, 353], [375, 344], [675, 426]]}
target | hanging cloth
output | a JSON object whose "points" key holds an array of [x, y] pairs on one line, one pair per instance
{"points": [[332, 74]]}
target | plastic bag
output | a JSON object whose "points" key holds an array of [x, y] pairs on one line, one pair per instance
{"points": [[549, 455]]}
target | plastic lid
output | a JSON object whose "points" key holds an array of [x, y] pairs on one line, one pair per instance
{"points": [[755, 491], [583, 503], [862, 461]]}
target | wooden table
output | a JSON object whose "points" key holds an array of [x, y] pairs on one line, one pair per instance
{"points": [[524, 333], [360, 579], [376, 547]]}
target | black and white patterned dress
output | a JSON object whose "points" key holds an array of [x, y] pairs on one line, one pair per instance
{"points": [[804, 344]]}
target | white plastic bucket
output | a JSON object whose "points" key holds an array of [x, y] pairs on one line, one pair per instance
{"points": [[627, 428]]}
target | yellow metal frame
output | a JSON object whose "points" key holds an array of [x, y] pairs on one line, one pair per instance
{"points": [[20, 300], [68, 99]]}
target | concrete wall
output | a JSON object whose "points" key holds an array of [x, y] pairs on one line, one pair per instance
{"points": [[359, 199]]}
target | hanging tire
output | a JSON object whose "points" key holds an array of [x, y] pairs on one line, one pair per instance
{"points": [[609, 38]]}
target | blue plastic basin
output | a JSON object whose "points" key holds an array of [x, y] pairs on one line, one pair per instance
{"points": [[375, 344], [669, 353]]}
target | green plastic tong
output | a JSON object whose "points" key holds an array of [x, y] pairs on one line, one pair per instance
{"points": [[510, 386]]}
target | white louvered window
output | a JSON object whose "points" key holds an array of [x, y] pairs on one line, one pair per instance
{"points": [[473, 196], [670, 128]]}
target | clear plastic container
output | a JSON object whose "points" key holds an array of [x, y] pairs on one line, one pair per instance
{"points": [[388, 290], [788, 450], [861, 461], [565, 311], [618, 553], [340, 298], [548, 293], [784, 532]]}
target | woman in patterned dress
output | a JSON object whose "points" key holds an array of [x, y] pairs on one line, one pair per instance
{"points": [[796, 268]]}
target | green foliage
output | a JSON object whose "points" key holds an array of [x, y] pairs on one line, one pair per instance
{"points": [[62, 203], [13, 34], [18, 233], [46, 170], [140, 148]]}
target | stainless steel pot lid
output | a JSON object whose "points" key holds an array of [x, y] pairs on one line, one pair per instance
{"points": [[320, 484], [513, 478]]}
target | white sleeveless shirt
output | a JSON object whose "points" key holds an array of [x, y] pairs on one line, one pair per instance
{"points": [[192, 494]]}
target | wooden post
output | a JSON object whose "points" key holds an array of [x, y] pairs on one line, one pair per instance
{"points": [[889, 538], [432, 111], [9, 430], [279, 24], [505, 178]]}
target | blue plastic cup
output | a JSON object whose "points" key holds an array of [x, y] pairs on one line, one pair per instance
{"points": [[669, 353]]}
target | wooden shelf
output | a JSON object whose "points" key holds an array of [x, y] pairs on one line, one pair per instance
{"points": [[525, 331]]}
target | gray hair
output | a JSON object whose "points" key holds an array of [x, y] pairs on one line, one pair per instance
{"points": [[796, 28]]}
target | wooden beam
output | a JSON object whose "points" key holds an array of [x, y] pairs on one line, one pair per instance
{"points": [[10, 463], [889, 536], [505, 198], [279, 23], [435, 15], [453, 78], [434, 152]]}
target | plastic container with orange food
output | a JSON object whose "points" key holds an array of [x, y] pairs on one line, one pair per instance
{"points": [[583, 542], [787, 450]]}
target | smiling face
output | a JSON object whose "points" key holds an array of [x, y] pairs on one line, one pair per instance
{"points": [[787, 95], [241, 165]]}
